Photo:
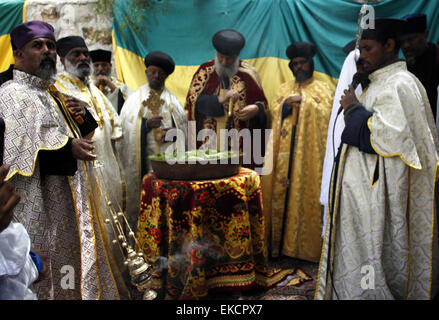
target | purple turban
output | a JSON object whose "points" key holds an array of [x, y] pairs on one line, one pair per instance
{"points": [[25, 32]]}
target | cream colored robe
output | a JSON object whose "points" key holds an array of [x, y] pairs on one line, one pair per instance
{"points": [[129, 147], [58, 212], [110, 130], [303, 221], [113, 96], [384, 235]]}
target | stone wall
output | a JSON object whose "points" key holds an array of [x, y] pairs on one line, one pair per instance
{"points": [[73, 18]]}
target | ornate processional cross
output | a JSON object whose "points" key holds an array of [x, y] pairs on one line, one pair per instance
{"points": [[154, 103]]}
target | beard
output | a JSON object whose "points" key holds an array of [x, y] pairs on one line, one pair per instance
{"points": [[82, 69], [226, 71], [302, 75], [46, 68]]}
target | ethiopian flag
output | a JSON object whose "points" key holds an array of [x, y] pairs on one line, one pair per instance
{"points": [[184, 29], [11, 15]]}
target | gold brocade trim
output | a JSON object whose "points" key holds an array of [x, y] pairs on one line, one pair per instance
{"points": [[87, 92], [15, 171], [89, 199], [138, 149], [79, 231], [197, 86], [389, 155], [70, 119], [71, 123], [107, 108]]}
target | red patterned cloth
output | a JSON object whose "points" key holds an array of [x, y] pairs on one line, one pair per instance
{"points": [[205, 235]]}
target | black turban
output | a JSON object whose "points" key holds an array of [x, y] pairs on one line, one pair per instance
{"points": [[160, 59], [414, 23], [301, 49], [64, 45], [100, 55], [384, 29], [228, 42]]}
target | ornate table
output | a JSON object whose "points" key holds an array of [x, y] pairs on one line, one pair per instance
{"points": [[203, 236]]}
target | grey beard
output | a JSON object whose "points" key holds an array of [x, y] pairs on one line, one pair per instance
{"points": [[228, 71], [46, 68], [81, 72]]}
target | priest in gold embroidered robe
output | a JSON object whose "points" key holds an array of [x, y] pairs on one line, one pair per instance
{"points": [[74, 81], [49, 168], [226, 93], [146, 116], [381, 235], [296, 151]]}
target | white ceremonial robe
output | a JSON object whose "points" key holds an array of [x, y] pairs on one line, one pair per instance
{"points": [[108, 168], [114, 96], [383, 239], [129, 147]]}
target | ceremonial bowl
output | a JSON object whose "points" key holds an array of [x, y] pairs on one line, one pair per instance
{"points": [[195, 168]]}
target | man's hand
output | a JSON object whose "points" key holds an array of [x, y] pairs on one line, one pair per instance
{"points": [[76, 106], [227, 95], [348, 97], [104, 81], [44, 259], [81, 148], [8, 199], [293, 101], [247, 112], [154, 123]]}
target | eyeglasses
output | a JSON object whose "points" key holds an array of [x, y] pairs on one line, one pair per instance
{"points": [[300, 62]]}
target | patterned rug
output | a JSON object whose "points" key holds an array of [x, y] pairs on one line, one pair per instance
{"points": [[298, 286]]}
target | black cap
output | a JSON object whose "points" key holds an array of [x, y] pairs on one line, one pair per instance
{"points": [[100, 55], [228, 42], [301, 49], [414, 23], [384, 29], [160, 59], [64, 45]]}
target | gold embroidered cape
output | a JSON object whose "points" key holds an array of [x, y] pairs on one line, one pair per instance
{"points": [[303, 221]]}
